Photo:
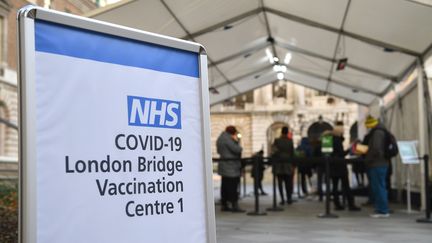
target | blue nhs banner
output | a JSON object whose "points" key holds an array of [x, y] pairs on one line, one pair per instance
{"points": [[150, 112]]}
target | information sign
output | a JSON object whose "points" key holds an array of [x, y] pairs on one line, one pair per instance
{"points": [[327, 144], [408, 152], [114, 134]]}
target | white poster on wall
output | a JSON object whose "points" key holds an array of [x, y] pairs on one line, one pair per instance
{"points": [[119, 139]]}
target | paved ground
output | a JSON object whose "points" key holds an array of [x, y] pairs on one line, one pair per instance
{"points": [[299, 223]]}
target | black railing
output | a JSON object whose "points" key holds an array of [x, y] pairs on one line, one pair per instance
{"points": [[296, 161]]}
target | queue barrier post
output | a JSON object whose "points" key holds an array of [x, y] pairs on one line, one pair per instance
{"points": [[274, 208], [327, 214], [244, 178], [257, 163], [427, 218]]}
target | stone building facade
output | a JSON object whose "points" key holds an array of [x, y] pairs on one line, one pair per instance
{"points": [[260, 115], [9, 60]]}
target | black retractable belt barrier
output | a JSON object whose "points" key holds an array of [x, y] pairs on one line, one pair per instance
{"points": [[327, 213], [427, 219], [257, 164], [274, 208]]}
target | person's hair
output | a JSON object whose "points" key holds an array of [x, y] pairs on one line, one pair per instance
{"points": [[339, 123], [285, 130], [231, 130]]}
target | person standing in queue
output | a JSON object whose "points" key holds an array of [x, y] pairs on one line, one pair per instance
{"points": [[257, 171], [304, 150], [339, 172], [229, 168], [282, 153], [378, 166]]}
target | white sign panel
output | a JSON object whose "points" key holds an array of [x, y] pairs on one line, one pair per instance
{"points": [[119, 138], [408, 152]]}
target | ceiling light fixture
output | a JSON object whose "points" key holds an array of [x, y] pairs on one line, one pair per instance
{"points": [[280, 76], [279, 68], [341, 64]]}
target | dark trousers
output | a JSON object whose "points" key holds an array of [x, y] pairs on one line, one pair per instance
{"points": [[259, 185], [379, 190], [229, 192], [345, 190], [303, 179], [360, 178], [320, 181], [287, 180]]}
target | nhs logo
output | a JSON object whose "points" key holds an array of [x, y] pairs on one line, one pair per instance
{"points": [[150, 112]]}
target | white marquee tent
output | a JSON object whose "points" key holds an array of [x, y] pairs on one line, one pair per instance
{"points": [[249, 41], [382, 39]]}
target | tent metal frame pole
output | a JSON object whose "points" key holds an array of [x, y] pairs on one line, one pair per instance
{"points": [[308, 22], [334, 81], [422, 124], [9, 124], [423, 56], [190, 37], [305, 22], [346, 33], [337, 44], [427, 52], [304, 73], [255, 72], [244, 52], [328, 59], [428, 114], [292, 81], [294, 18], [224, 23], [292, 48], [268, 30]]}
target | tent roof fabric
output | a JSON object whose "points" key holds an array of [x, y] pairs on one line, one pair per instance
{"points": [[381, 39]]}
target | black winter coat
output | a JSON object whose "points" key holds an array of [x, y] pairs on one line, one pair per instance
{"points": [[336, 168]]}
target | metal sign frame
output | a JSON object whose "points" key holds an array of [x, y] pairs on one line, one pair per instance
{"points": [[412, 147], [28, 227]]}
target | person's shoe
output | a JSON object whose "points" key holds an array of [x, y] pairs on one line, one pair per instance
{"points": [[289, 202], [380, 215], [264, 193], [282, 203], [354, 209]]}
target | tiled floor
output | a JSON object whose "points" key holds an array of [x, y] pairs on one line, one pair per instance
{"points": [[299, 223]]}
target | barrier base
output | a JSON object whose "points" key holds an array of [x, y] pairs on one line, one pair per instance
{"points": [[259, 213], [425, 220], [327, 216], [275, 209]]}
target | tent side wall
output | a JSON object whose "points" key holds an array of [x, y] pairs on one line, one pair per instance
{"points": [[401, 118]]}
